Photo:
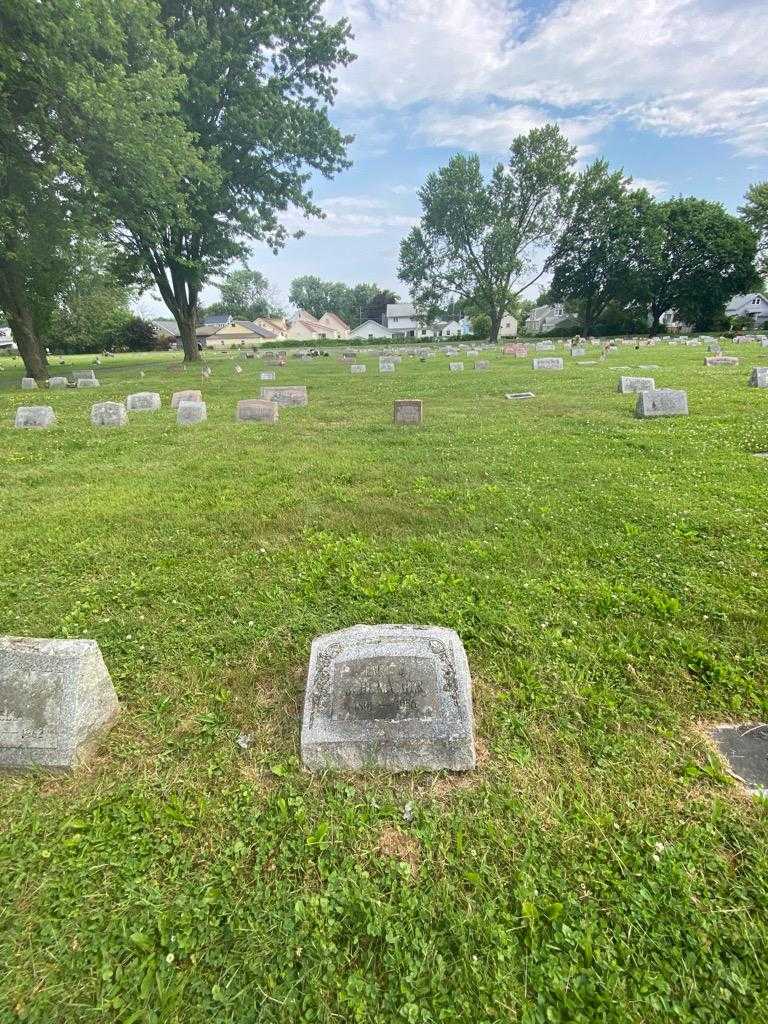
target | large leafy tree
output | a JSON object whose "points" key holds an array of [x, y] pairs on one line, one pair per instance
{"points": [[695, 257], [377, 307], [755, 213], [87, 125], [260, 77], [245, 295], [598, 256], [351, 303], [481, 240]]}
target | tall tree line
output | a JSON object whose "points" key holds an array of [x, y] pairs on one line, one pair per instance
{"points": [[602, 242]]}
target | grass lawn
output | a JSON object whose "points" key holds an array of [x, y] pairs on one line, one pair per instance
{"points": [[608, 578]]}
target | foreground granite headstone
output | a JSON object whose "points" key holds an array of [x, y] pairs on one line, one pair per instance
{"points": [[189, 413], [144, 401], [393, 697], [551, 363], [745, 748], [758, 378], [631, 385], [28, 384], [56, 383], [109, 414], [286, 396], [257, 409], [664, 402], [34, 416], [407, 411], [185, 396], [56, 702]]}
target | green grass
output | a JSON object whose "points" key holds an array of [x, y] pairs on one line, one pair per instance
{"points": [[608, 578]]}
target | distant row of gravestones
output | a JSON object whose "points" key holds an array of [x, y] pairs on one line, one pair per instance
{"points": [[190, 407], [389, 696]]}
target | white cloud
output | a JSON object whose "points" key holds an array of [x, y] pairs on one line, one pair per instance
{"points": [[350, 217], [652, 185], [678, 67]]}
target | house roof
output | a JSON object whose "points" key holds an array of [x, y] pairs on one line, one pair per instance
{"points": [[741, 300], [166, 327], [219, 318], [333, 320], [372, 323], [263, 332], [401, 309]]}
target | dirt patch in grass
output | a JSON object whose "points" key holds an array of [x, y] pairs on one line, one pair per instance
{"points": [[401, 847]]}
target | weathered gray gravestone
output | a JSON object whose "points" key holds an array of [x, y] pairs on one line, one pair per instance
{"points": [[356, 368], [86, 382], [109, 414], [721, 361], [257, 409], [144, 401], [664, 402], [578, 352], [631, 385], [28, 384], [745, 748], [758, 378], [185, 396], [286, 395], [189, 413], [56, 702], [407, 411], [393, 697], [552, 363], [482, 364], [455, 367], [386, 366], [519, 394], [34, 416], [267, 375], [55, 383]]}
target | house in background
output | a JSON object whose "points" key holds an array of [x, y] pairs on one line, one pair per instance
{"points": [[671, 324], [545, 318], [753, 306], [370, 329], [457, 328], [166, 330], [403, 322], [7, 344], [233, 334], [305, 327], [278, 325]]}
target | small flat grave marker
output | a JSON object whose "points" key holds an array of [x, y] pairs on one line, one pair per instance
{"points": [[144, 401], [185, 396], [267, 375], [721, 361], [109, 414], [407, 412], [34, 416], [663, 402], [552, 363], [257, 409], [392, 697], [56, 702], [632, 385], [513, 395], [745, 750], [189, 413], [286, 395]]}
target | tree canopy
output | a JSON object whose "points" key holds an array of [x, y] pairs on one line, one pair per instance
{"points": [[479, 239], [245, 295], [259, 79], [755, 214], [353, 303]]}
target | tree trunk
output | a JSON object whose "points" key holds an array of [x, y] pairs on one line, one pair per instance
{"points": [[187, 331], [656, 322], [22, 323], [493, 336]]}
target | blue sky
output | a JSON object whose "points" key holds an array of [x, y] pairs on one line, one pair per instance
{"points": [[673, 91]]}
